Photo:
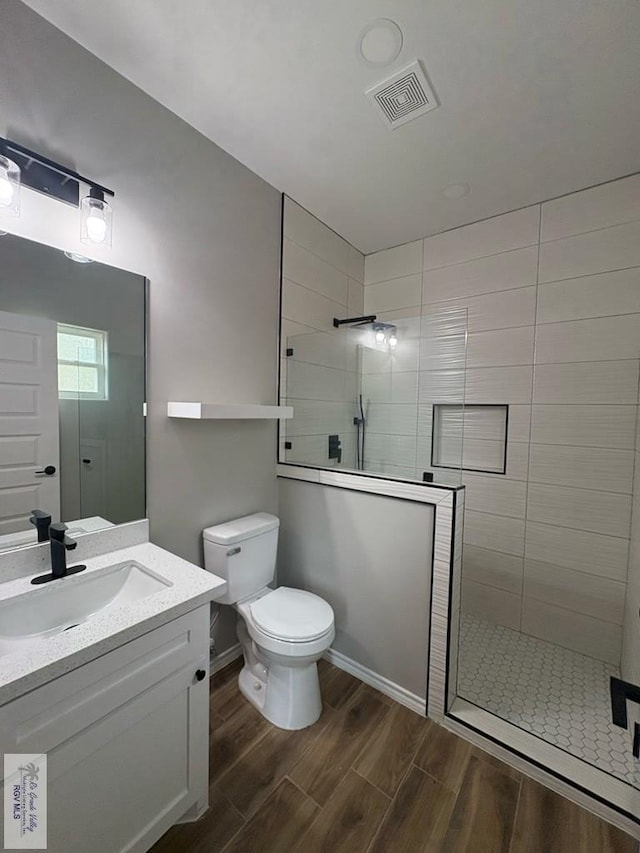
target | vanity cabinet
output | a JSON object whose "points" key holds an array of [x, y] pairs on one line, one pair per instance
{"points": [[127, 740]]}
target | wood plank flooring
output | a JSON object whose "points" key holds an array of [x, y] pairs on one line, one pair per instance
{"points": [[370, 777]]}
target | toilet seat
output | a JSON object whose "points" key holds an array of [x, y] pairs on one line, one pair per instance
{"points": [[292, 615]]}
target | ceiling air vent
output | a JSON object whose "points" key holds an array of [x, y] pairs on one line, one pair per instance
{"points": [[404, 96]]}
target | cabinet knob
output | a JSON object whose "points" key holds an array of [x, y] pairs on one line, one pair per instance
{"points": [[200, 674]]}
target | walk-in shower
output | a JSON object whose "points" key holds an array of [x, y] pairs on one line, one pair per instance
{"points": [[514, 371]]}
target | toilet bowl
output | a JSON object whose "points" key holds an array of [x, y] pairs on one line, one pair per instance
{"points": [[283, 632]]}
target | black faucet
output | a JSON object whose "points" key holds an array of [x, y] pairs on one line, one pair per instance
{"points": [[60, 544], [41, 521]]}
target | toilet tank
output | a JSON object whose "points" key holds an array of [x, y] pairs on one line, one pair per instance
{"points": [[243, 552]]}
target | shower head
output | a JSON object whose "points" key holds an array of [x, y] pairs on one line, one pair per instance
{"points": [[385, 333]]}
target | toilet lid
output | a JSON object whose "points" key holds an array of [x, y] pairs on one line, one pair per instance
{"points": [[292, 614]]}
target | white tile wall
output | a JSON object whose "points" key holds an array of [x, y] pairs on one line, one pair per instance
{"points": [[489, 237], [325, 348], [604, 339], [495, 605], [303, 267], [393, 263], [517, 268], [395, 293], [313, 417], [314, 382], [494, 532], [580, 509], [501, 310], [587, 426], [393, 449], [583, 550], [503, 571], [308, 307], [582, 467], [584, 634], [399, 419], [496, 495], [599, 207], [391, 388], [613, 248], [356, 264], [312, 234], [498, 385], [614, 382], [577, 591], [505, 347], [603, 295], [355, 302]]}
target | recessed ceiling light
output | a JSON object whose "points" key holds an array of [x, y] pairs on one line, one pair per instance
{"points": [[454, 191], [79, 259], [380, 42]]}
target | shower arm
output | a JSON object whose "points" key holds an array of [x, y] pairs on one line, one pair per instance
{"points": [[370, 318]]}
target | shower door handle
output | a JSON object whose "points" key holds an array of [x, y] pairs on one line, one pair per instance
{"points": [[621, 691]]}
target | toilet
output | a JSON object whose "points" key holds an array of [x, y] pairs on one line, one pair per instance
{"points": [[283, 632]]}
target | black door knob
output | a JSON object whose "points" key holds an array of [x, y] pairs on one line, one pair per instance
{"points": [[200, 674], [50, 470]]}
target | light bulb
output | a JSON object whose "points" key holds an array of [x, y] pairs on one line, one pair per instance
{"points": [[380, 336], [6, 190], [96, 227], [393, 340], [95, 219]]}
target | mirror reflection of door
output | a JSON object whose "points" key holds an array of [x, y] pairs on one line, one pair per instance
{"points": [[28, 420], [72, 389]]}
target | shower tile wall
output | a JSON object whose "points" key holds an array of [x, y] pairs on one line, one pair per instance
{"points": [[322, 278], [553, 300]]}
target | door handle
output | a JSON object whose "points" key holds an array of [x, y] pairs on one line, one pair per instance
{"points": [[620, 692], [49, 470]]}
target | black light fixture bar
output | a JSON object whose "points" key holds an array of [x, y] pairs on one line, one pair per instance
{"points": [[45, 176], [368, 319]]}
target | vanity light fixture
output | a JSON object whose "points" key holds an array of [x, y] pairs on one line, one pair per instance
{"points": [[9, 185], [393, 340], [21, 166]]}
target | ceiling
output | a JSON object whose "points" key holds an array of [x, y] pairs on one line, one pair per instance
{"points": [[537, 98]]}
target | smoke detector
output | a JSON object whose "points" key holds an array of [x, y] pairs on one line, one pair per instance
{"points": [[403, 96]]}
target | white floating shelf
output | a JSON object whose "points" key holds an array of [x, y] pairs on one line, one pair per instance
{"points": [[228, 411]]}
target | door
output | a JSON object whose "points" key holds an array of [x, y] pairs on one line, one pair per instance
{"points": [[28, 420]]}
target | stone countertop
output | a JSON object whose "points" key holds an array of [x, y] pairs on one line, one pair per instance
{"points": [[53, 656]]}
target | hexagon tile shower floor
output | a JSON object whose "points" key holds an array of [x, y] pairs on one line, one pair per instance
{"points": [[552, 692]]}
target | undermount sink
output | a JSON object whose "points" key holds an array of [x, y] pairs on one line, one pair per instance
{"points": [[32, 616]]}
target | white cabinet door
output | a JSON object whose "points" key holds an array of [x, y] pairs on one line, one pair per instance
{"points": [[28, 420], [127, 739]]}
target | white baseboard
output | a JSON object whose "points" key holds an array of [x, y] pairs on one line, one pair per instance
{"points": [[384, 685], [225, 658]]}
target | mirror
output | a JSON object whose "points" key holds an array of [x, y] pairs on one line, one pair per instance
{"points": [[72, 388]]}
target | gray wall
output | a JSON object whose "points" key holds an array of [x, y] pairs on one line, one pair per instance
{"points": [[203, 228], [370, 557]]}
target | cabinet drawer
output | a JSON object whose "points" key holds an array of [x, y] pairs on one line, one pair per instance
{"points": [[69, 707]]}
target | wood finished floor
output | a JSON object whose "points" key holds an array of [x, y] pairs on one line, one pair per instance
{"points": [[370, 777]]}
